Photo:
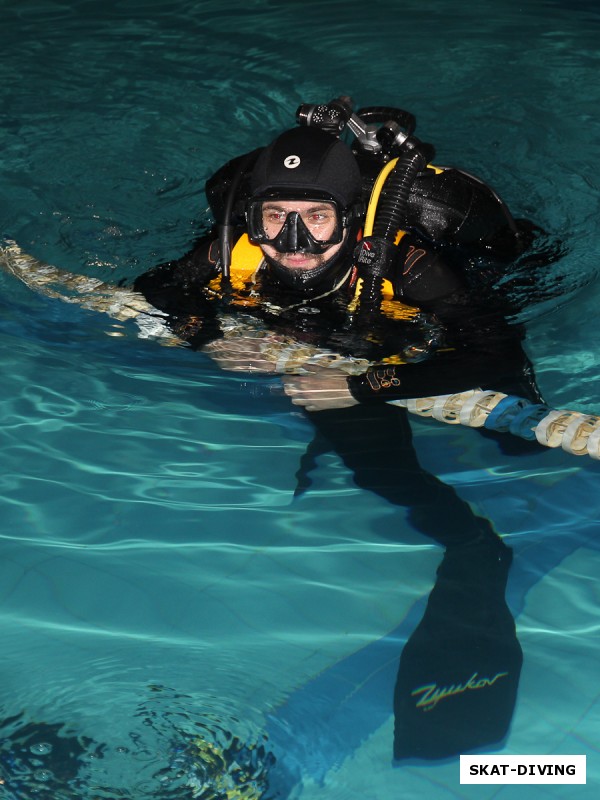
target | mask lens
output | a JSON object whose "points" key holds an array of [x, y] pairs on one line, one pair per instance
{"points": [[320, 221], [320, 218]]}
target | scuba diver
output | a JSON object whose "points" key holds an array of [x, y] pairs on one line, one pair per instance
{"points": [[392, 280], [362, 274]]}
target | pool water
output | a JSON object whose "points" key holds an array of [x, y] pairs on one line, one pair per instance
{"points": [[175, 622]]}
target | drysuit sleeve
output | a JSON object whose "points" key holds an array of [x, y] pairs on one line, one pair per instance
{"points": [[498, 363], [172, 286], [422, 278], [177, 288], [476, 347], [458, 208]]}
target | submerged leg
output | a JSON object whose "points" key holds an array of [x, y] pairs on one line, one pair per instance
{"points": [[459, 670], [375, 443]]}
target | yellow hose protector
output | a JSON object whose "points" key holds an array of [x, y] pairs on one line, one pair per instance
{"points": [[393, 309], [375, 194]]}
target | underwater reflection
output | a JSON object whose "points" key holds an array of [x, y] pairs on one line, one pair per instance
{"points": [[168, 754]]}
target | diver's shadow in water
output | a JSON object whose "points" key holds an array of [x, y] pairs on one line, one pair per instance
{"points": [[459, 670]]}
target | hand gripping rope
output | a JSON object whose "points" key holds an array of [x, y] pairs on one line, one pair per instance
{"points": [[575, 432]]}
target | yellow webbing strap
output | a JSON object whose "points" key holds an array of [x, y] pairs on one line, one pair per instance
{"points": [[245, 260]]}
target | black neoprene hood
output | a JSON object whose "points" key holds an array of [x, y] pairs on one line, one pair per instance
{"points": [[305, 160]]}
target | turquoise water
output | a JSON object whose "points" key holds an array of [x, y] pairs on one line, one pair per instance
{"points": [[159, 581]]}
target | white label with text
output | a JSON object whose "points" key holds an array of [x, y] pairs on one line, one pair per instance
{"points": [[522, 769]]}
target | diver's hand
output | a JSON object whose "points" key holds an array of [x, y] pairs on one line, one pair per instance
{"points": [[242, 354], [319, 389]]}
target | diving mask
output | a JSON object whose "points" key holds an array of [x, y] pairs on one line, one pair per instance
{"points": [[307, 224]]}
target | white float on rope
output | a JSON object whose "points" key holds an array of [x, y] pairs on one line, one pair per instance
{"points": [[577, 433]]}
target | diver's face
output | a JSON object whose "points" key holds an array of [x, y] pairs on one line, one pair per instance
{"points": [[320, 219]]}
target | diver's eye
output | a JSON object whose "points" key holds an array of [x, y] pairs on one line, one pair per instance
{"points": [[274, 216], [320, 221], [318, 218], [273, 219]]}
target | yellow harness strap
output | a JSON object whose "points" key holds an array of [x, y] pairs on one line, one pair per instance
{"points": [[245, 260]]}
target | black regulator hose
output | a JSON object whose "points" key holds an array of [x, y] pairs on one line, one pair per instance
{"points": [[376, 252], [226, 227], [392, 209]]}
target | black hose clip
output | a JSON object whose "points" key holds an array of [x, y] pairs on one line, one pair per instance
{"points": [[374, 258]]}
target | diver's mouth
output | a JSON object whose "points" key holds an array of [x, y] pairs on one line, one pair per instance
{"points": [[298, 260]]}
